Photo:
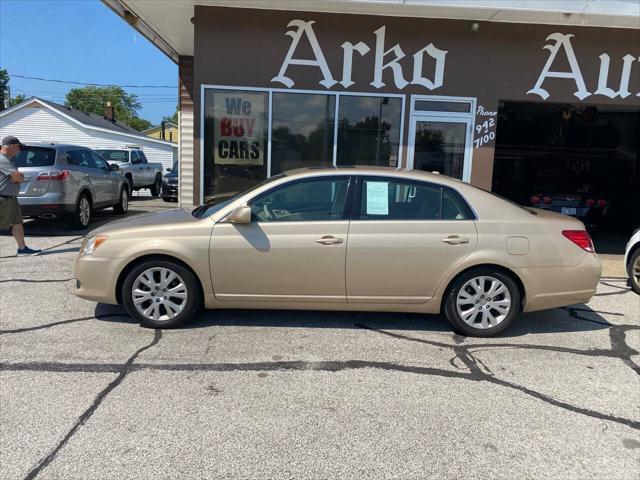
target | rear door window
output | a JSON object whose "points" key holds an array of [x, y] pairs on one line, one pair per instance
{"points": [[35, 157], [80, 158], [383, 198]]}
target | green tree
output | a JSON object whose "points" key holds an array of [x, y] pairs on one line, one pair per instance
{"points": [[173, 118], [18, 99], [94, 99], [4, 84]]}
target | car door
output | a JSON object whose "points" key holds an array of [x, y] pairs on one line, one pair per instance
{"points": [[110, 182], [149, 175], [137, 170], [404, 236], [99, 177], [83, 165], [292, 251]]}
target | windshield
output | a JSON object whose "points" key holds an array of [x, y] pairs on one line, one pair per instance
{"points": [[216, 204], [35, 157], [114, 155]]}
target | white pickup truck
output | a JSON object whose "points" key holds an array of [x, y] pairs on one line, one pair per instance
{"points": [[135, 168]]}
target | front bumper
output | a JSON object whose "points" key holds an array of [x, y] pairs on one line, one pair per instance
{"points": [[97, 277], [169, 191]]}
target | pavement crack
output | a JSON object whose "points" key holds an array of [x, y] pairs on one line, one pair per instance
{"points": [[123, 372], [28, 280], [463, 354], [62, 322]]}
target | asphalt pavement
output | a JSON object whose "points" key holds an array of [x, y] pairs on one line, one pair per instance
{"points": [[86, 393]]}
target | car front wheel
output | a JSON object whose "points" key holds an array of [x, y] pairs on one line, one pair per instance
{"points": [[161, 294], [482, 302]]}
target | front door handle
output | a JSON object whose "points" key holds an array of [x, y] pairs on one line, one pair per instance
{"points": [[329, 240], [455, 240]]}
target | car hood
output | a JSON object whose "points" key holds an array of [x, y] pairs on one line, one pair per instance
{"points": [[167, 219]]}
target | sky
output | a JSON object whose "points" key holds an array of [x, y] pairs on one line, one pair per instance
{"points": [[83, 41]]}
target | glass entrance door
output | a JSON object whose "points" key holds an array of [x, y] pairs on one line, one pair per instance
{"points": [[440, 135], [440, 147]]}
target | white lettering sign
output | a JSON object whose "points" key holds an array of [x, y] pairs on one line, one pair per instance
{"points": [[384, 59], [319, 61], [563, 42]]}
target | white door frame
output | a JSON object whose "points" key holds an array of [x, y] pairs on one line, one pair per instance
{"points": [[448, 117]]}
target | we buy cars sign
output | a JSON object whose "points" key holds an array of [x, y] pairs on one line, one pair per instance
{"points": [[239, 129]]}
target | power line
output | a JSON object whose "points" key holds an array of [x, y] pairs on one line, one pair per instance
{"points": [[92, 84]]}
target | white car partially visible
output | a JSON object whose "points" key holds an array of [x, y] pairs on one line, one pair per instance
{"points": [[632, 260]]}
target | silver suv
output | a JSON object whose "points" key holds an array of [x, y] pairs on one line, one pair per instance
{"points": [[68, 180]]}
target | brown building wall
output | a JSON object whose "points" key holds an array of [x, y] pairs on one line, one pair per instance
{"points": [[243, 47]]}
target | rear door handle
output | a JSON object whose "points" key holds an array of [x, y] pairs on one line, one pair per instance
{"points": [[329, 240], [455, 240]]}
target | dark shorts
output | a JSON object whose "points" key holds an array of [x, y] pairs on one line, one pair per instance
{"points": [[10, 213]]}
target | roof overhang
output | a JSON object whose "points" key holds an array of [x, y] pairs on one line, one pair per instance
{"points": [[169, 26]]}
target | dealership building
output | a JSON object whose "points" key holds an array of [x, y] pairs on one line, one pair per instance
{"points": [[533, 101]]}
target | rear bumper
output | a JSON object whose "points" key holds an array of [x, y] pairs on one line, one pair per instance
{"points": [[96, 277], [51, 203], [553, 287]]}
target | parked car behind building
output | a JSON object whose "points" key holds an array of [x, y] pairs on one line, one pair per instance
{"points": [[68, 180], [135, 168], [170, 184]]}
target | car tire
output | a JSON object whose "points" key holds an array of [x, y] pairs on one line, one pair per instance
{"points": [[156, 188], [123, 203], [634, 271], [166, 199], [482, 302], [81, 217], [130, 183], [172, 311]]}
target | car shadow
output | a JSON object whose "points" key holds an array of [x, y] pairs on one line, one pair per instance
{"points": [[577, 318], [38, 227]]}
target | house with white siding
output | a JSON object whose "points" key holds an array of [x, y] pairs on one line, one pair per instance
{"points": [[38, 120]]}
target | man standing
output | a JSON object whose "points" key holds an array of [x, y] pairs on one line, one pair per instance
{"points": [[10, 178]]}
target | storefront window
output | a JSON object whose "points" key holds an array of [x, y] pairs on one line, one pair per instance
{"points": [[302, 131], [235, 140], [369, 130]]}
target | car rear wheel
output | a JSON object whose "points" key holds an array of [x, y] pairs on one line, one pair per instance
{"points": [[482, 302], [82, 215], [634, 271], [157, 186], [123, 205], [161, 294]]}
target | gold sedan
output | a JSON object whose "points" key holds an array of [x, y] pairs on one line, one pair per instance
{"points": [[369, 239]]}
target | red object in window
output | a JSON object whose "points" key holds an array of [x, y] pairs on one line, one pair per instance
{"points": [[601, 203], [55, 175], [590, 202], [534, 200], [547, 200], [580, 238]]}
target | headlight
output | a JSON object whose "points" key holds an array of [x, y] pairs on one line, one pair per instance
{"points": [[89, 245]]}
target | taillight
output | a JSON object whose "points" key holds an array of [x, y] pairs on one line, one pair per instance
{"points": [[546, 200], [580, 238], [601, 203], [535, 200], [54, 175], [590, 202]]}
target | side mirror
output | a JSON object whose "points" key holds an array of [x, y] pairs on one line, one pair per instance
{"points": [[169, 170], [240, 215], [114, 167]]}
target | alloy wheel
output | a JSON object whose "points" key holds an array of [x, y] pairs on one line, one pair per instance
{"points": [[84, 211], [483, 302], [159, 294], [635, 271], [124, 200]]}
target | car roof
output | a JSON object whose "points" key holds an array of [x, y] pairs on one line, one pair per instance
{"points": [[378, 171]]}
